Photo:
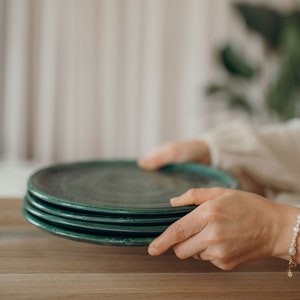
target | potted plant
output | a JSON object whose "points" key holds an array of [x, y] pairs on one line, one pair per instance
{"points": [[280, 33]]}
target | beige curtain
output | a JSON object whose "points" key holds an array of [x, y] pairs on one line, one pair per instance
{"points": [[86, 79]]}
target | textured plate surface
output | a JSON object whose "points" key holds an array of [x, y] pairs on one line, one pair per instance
{"points": [[121, 187], [64, 212], [91, 227], [88, 238]]}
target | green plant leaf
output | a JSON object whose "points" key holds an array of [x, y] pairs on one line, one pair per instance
{"points": [[265, 21], [215, 88], [284, 90], [240, 102], [234, 100], [236, 64]]}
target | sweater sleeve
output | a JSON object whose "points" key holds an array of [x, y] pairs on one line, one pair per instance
{"points": [[267, 158]]}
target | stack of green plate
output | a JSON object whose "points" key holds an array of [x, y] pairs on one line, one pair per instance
{"points": [[113, 202]]}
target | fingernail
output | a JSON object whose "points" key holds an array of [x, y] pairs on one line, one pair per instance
{"points": [[152, 251]]}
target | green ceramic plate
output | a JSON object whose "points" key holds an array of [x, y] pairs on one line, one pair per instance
{"points": [[90, 227], [88, 238], [121, 187], [100, 218]]}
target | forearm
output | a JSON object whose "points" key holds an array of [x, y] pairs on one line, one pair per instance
{"points": [[258, 156]]}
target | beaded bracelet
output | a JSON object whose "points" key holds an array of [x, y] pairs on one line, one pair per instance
{"points": [[293, 248]]}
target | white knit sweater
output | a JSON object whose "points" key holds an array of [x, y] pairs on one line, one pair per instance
{"points": [[265, 159]]}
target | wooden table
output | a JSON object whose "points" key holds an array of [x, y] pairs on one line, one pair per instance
{"points": [[38, 265]]}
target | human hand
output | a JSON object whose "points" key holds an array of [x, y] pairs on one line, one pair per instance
{"points": [[176, 152], [228, 228]]}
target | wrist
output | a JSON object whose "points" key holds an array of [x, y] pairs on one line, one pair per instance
{"points": [[204, 153], [286, 221]]}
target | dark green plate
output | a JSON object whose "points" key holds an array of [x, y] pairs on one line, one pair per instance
{"points": [[121, 187], [100, 218], [85, 237], [90, 227]]}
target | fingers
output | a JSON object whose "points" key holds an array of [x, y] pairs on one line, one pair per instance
{"points": [[179, 231], [227, 231], [176, 152], [191, 247], [161, 156], [190, 225], [199, 196]]}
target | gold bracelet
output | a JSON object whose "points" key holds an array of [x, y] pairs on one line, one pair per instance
{"points": [[293, 248]]}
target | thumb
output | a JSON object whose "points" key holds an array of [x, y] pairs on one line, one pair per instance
{"points": [[163, 155], [199, 196], [176, 152]]}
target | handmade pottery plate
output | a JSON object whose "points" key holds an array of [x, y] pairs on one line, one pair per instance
{"points": [[91, 227], [65, 212], [121, 187], [85, 237]]}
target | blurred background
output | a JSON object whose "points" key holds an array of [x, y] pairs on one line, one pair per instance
{"points": [[99, 79]]}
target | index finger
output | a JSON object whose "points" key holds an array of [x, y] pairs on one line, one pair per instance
{"points": [[179, 231]]}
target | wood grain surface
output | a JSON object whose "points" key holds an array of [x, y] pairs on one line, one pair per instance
{"points": [[38, 265]]}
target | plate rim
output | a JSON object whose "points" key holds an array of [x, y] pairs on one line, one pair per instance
{"points": [[217, 173], [88, 238], [108, 219], [105, 229]]}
